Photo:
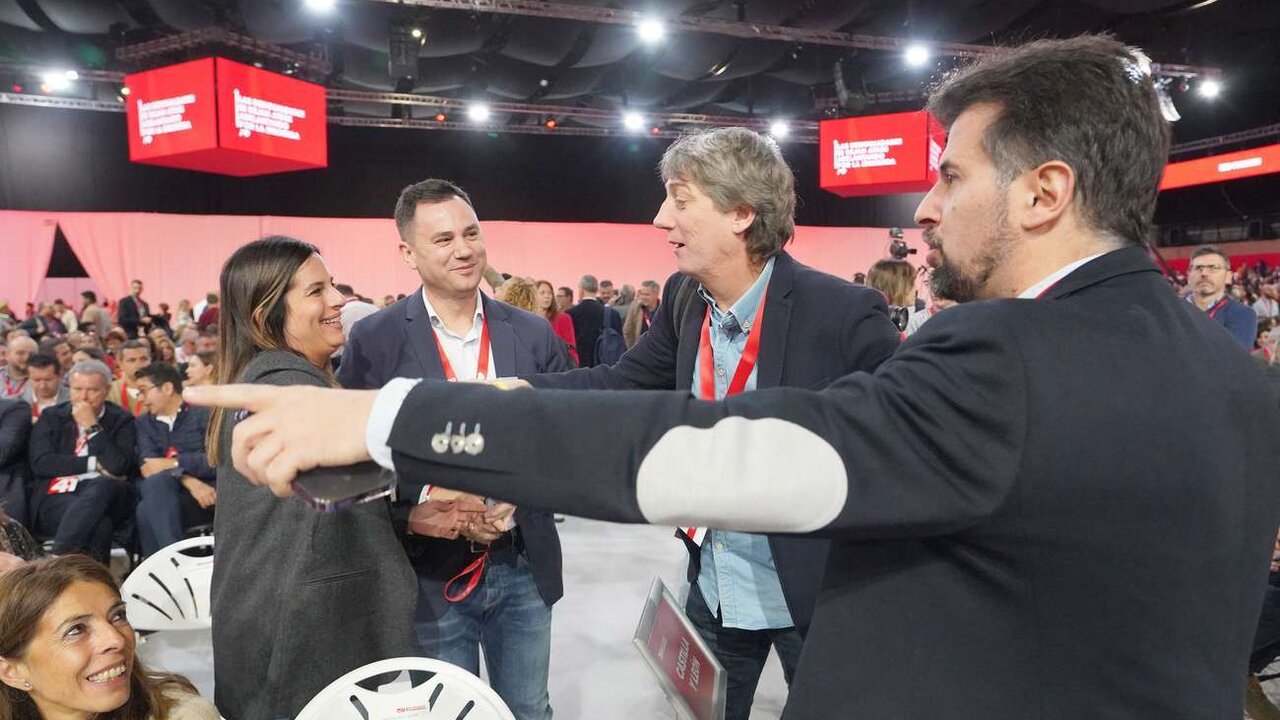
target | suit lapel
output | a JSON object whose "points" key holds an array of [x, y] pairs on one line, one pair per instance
{"points": [[777, 322], [687, 343], [502, 337], [422, 337]]}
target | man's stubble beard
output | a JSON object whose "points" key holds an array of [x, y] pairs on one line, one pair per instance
{"points": [[948, 281]]}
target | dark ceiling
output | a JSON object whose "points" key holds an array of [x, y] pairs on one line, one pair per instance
{"points": [[551, 61]]}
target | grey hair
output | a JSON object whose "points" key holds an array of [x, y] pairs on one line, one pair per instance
{"points": [[588, 283], [737, 167], [92, 367]]}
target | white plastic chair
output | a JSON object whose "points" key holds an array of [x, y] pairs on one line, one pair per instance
{"points": [[450, 693], [170, 589]]}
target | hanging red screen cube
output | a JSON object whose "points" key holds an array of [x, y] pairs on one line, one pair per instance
{"points": [[880, 154], [219, 116]]}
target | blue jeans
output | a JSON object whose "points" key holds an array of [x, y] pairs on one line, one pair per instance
{"points": [[742, 653], [504, 614], [161, 520]]}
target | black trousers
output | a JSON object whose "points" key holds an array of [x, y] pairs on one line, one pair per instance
{"points": [[86, 521], [742, 653]]}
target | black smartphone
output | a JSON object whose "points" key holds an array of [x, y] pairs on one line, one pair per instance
{"points": [[339, 488]]}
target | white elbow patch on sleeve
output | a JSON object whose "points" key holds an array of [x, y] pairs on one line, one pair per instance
{"points": [[765, 475]]}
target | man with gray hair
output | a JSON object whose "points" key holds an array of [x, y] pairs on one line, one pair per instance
{"points": [[82, 454], [589, 318], [742, 314]]}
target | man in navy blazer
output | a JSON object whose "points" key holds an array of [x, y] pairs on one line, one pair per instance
{"points": [[1025, 524], [450, 330], [748, 593]]}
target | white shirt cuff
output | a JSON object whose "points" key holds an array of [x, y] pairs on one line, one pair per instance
{"points": [[383, 418]]}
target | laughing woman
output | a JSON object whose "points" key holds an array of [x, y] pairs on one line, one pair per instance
{"points": [[300, 597], [67, 650]]}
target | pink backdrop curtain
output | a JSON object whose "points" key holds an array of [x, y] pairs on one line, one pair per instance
{"points": [[26, 242], [180, 256]]}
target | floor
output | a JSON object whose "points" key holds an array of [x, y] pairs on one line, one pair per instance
{"points": [[595, 670]]}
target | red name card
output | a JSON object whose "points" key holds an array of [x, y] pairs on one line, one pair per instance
{"points": [[690, 676], [219, 116], [880, 154]]}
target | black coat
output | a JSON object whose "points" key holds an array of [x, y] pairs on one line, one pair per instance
{"points": [[53, 443], [15, 431], [129, 314], [398, 341], [817, 328], [588, 320], [1055, 509]]}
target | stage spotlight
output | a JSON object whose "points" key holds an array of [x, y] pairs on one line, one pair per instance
{"points": [[633, 121], [478, 112], [550, 123], [651, 31], [655, 130], [779, 129], [124, 90], [416, 32], [441, 117], [917, 55], [1210, 88], [320, 6], [16, 88]]}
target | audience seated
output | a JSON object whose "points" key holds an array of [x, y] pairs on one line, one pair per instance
{"points": [[201, 368], [15, 434], [177, 481], [44, 387], [132, 357], [82, 455], [67, 650]]}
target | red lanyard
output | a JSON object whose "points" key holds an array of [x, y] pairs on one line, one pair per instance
{"points": [[475, 571], [482, 362], [1213, 311], [10, 390], [747, 363]]}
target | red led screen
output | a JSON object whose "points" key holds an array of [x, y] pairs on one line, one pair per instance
{"points": [[1230, 166], [223, 117], [880, 154]]}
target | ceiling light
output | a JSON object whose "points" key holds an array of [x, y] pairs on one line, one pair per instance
{"points": [[125, 91], [779, 129], [441, 117], [1210, 88], [917, 55], [58, 80], [479, 112], [651, 31], [633, 121], [655, 131], [550, 123], [71, 75], [416, 32], [320, 6]]}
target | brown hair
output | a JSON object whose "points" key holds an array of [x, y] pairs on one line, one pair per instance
{"points": [[896, 279], [255, 280], [554, 309], [427, 191], [26, 594], [1087, 101]]}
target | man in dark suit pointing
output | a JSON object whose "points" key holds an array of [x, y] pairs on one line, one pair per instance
{"points": [[1024, 523]]}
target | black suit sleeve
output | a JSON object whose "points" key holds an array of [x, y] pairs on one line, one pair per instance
{"points": [[15, 431], [929, 444], [116, 448], [870, 337], [650, 364], [47, 459], [127, 313]]}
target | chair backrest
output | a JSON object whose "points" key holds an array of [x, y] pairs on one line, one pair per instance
{"points": [[170, 589], [449, 693]]}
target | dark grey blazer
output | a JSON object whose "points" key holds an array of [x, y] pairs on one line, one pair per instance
{"points": [[299, 596]]}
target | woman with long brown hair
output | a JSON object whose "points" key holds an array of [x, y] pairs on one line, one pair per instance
{"points": [[561, 323], [299, 596], [67, 650]]}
